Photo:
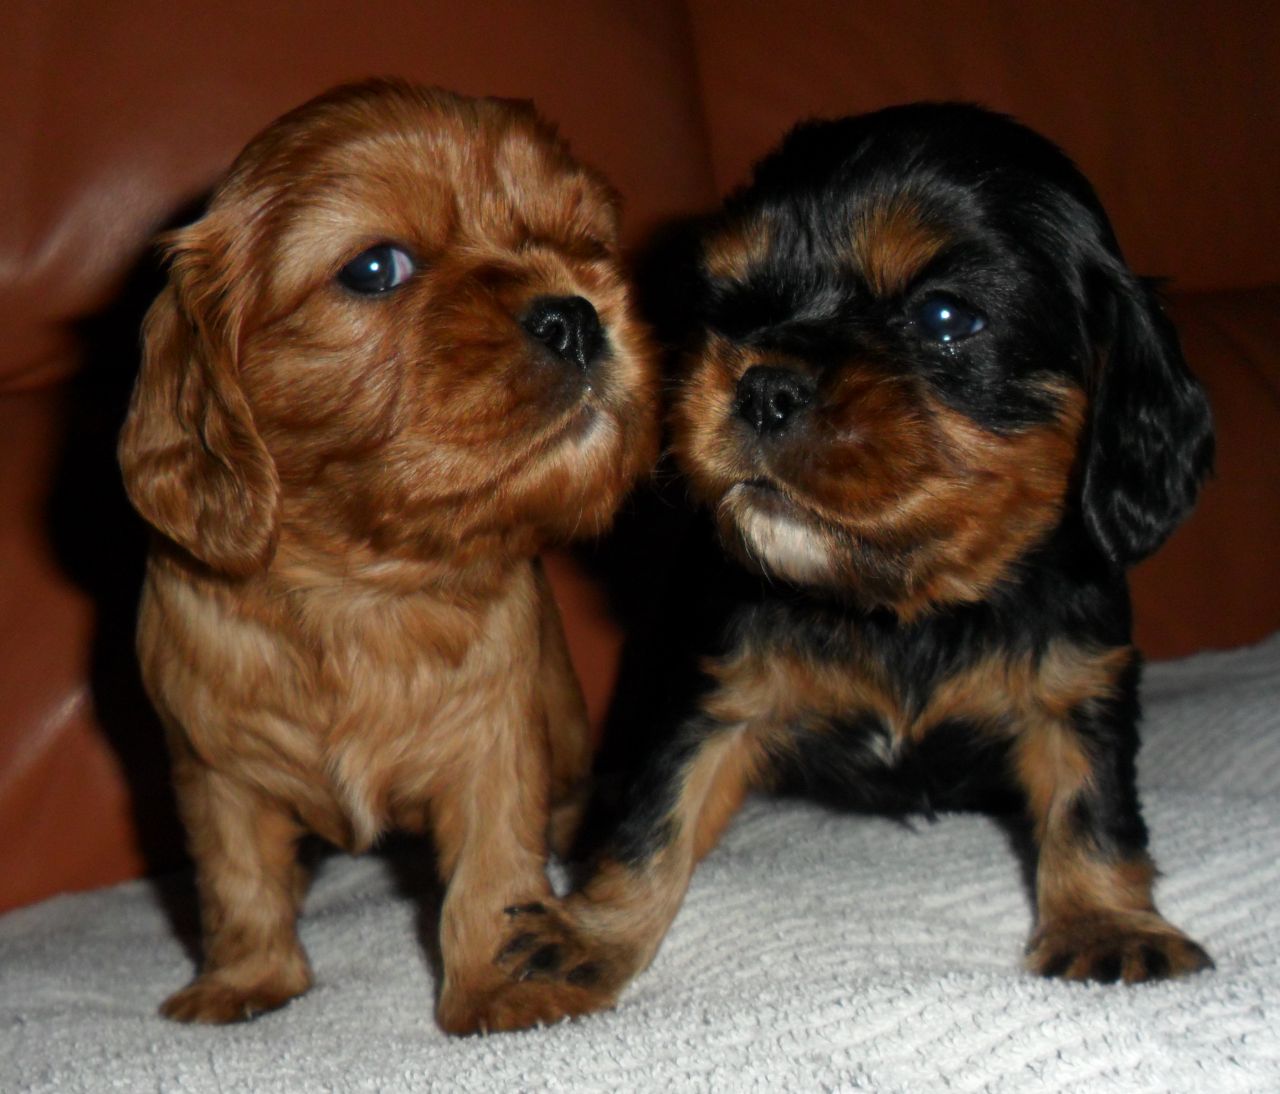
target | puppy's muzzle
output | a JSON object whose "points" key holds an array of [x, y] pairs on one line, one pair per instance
{"points": [[769, 398], [568, 326]]}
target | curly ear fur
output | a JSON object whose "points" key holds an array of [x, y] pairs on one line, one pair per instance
{"points": [[1152, 431], [194, 464]]}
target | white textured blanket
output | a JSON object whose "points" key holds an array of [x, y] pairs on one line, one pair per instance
{"points": [[815, 952]]}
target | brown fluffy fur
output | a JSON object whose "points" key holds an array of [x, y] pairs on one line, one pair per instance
{"points": [[344, 625]]}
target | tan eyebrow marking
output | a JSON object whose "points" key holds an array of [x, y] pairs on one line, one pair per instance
{"points": [[891, 244], [731, 254]]}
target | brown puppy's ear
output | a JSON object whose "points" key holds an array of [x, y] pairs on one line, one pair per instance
{"points": [[194, 464]]}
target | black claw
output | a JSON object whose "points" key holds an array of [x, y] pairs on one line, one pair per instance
{"points": [[585, 975], [547, 959], [1155, 962], [533, 908], [1106, 969], [1057, 964], [517, 945]]}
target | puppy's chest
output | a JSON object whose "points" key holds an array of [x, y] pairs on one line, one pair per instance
{"points": [[904, 727], [371, 687], [408, 685], [848, 697], [392, 714], [351, 710]]}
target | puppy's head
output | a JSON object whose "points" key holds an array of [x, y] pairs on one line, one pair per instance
{"points": [[401, 326], [918, 351]]}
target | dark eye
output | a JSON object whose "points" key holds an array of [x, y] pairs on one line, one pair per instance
{"points": [[377, 270], [943, 318]]}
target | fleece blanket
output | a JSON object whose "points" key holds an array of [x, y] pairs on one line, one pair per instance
{"points": [[816, 951]]}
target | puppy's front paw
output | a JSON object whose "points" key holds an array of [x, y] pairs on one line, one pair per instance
{"points": [[1109, 948], [215, 1000], [545, 969], [545, 942]]}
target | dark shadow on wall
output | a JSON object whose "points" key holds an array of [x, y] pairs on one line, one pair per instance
{"points": [[100, 543], [660, 566]]}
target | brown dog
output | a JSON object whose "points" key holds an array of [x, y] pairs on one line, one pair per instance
{"points": [[394, 360]]}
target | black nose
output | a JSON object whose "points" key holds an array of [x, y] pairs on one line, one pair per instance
{"points": [[568, 326], [769, 397]]}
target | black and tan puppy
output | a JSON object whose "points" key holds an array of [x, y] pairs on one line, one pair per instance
{"points": [[936, 415]]}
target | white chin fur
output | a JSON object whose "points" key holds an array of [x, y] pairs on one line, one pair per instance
{"points": [[789, 548], [601, 430]]}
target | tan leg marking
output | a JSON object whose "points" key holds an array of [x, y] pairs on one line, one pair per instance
{"points": [[596, 940], [1096, 917]]}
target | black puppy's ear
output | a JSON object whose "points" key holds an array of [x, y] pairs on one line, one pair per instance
{"points": [[1151, 440]]}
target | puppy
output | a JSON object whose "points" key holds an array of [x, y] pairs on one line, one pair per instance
{"points": [[395, 359], [936, 416]]}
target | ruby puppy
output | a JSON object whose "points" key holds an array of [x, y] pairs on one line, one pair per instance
{"points": [[935, 417], [394, 360]]}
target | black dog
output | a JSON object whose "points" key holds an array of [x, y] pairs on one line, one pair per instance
{"points": [[937, 416]]}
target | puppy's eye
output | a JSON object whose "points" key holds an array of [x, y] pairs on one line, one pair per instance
{"points": [[377, 270], [942, 318]]}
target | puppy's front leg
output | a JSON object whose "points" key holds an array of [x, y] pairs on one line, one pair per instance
{"points": [[250, 884], [1096, 916], [490, 824], [568, 731], [582, 951]]}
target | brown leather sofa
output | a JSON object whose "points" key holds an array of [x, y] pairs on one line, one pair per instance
{"points": [[115, 117]]}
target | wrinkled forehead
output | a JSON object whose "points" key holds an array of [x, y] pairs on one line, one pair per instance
{"points": [[810, 255], [884, 232], [427, 175]]}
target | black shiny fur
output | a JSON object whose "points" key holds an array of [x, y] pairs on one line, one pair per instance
{"points": [[1035, 247], [1027, 244]]}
